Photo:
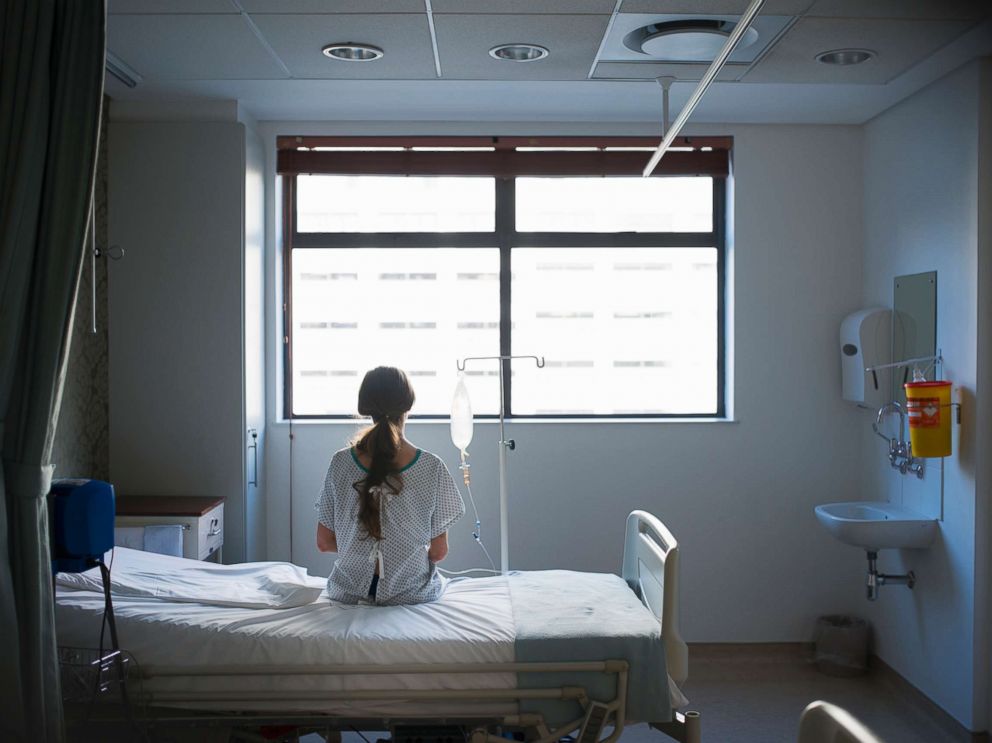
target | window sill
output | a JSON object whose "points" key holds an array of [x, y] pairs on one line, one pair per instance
{"points": [[495, 421]]}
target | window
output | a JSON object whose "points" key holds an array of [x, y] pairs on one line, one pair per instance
{"points": [[422, 254]]}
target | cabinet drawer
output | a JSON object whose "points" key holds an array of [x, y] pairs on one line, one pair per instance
{"points": [[210, 532], [187, 522], [202, 535]]}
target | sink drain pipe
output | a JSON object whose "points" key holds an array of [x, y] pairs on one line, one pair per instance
{"points": [[875, 580]]}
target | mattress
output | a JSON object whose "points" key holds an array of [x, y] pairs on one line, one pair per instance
{"points": [[498, 619]]}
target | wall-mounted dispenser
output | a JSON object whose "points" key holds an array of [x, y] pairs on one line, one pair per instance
{"points": [[866, 340]]}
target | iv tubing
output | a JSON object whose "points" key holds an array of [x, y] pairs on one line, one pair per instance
{"points": [[466, 572], [477, 534], [478, 531]]}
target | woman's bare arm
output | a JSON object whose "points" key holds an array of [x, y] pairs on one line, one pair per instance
{"points": [[326, 539], [439, 548]]}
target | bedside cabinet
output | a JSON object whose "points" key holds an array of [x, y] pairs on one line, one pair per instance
{"points": [[202, 519]]}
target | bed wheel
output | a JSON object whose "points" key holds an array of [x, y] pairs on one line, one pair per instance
{"points": [[685, 728]]}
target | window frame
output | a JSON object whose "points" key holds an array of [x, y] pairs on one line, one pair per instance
{"points": [[505, 238]]}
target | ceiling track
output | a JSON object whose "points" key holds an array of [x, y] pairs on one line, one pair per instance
{"points": [[261, 38], [430, 25], [739, 30], [602, 43]]}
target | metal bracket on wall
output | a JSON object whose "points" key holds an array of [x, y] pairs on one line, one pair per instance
{"points": [[114, 253]]}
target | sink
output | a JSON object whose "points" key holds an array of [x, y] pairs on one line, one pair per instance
{"points": [[875, 525]]}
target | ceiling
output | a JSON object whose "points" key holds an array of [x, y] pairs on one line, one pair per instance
{"points": [[266, 54]]}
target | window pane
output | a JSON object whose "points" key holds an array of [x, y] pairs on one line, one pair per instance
{"points": [[327, 203], [623, 331], [420, 310], [614, 204]]}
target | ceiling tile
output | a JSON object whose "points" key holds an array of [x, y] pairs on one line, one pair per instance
{"points": [[323, 7], [936, 9], [716, 7], [404, 37], [899, 44], [172, 7], [464, 42], [525, 7], [190, 47], [650, 70]]}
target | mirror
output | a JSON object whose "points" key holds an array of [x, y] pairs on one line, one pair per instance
{"points": [[914, 325]]}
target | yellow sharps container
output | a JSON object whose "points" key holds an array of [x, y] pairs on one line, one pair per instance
{"points": [[928, 407]]}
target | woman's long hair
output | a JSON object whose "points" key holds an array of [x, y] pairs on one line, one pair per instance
{"points": [[386, 396]]}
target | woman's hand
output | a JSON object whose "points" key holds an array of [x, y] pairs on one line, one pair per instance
{"points": [[327, 541], [438, 549]]}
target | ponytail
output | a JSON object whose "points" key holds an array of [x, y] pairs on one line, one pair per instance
{"points": [[381, 442], [386, 395]]}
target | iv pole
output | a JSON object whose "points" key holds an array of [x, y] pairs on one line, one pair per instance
{"points": [[504, 541]]}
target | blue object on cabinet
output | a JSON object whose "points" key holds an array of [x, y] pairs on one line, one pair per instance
{"points": [[82, 522]]}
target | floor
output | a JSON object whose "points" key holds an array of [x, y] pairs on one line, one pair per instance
{"points": [[757, 697], [744, 695]]}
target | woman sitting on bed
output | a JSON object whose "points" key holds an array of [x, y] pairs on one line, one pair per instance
{"points": [[386, 505]]}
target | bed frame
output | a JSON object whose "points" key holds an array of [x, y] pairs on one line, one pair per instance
{"points": [[650, 568]]}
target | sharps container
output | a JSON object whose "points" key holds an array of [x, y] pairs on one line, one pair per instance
{"points": [[841, 645], [928, 407]]}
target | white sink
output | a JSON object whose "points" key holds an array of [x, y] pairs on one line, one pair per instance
{"points": [[875, 525]]}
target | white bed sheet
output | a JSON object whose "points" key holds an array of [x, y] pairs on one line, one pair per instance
{"points": [[249, 585], [471, 623]]}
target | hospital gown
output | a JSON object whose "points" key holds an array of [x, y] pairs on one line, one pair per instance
{"points": [[426, 506]]}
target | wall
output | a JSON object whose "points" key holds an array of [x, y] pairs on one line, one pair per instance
{"points": [[983, 411], [254, 341], [739, 495], [921, 214], [80, 447]]}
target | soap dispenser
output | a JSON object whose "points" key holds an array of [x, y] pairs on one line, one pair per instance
{"points": [[865, 341]]}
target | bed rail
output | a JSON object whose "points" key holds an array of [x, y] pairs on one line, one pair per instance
{"points": [[651, 569]]}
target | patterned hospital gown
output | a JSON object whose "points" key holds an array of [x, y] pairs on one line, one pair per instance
{"points": [[427, 505]]}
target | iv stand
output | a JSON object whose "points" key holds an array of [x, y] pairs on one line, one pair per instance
{"points": [[504, 541]]}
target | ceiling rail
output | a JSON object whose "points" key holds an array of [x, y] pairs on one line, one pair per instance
{"points": [[739, 30]]}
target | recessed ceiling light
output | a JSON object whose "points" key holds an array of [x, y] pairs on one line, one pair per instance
{"points": [[845, 56], [519, 52], [694, 39], [353, 52]]}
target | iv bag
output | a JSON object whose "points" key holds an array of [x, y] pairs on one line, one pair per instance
{"points": [[461, 416]]}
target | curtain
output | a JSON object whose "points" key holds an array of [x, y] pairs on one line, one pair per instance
{"points": [[51, 86]]}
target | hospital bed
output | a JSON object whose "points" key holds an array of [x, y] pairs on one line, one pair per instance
{"points": [[543, 653]]}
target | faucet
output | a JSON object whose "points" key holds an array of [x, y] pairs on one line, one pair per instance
{"points": [[900, 450]]}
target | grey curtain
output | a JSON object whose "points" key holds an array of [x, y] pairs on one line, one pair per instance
{"points": [[51, 86]]}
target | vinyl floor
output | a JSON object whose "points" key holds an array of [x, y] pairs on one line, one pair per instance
{"points": [[757, 696]]}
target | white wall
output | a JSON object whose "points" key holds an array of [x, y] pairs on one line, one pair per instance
{"points": [[921, 214], [738, 495]]}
